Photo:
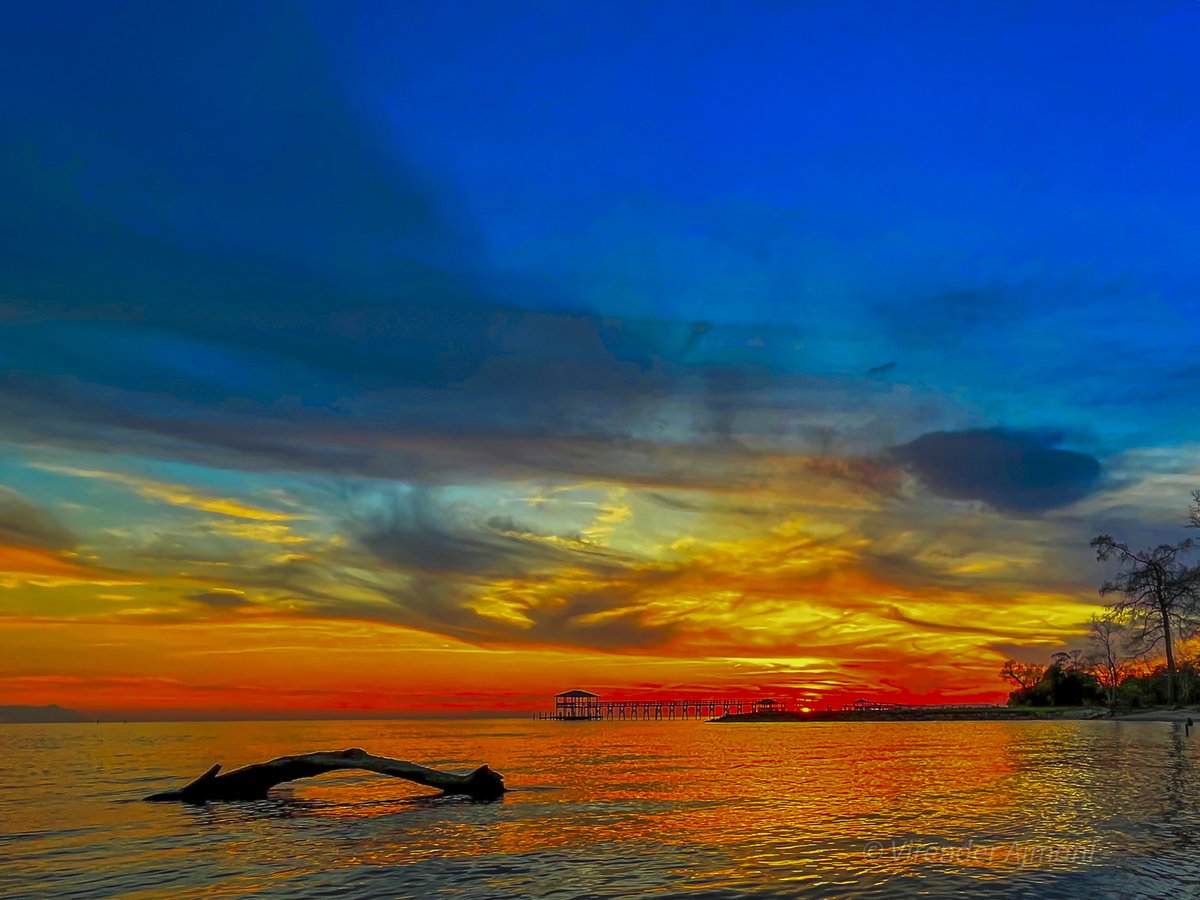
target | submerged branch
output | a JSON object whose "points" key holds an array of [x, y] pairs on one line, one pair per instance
{"points": [[253, 782]]}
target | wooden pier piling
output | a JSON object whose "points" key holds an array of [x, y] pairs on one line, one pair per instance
{"points": [[577, 706]]}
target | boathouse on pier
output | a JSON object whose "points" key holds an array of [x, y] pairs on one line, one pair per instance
{"points": [[861, 705], [574, 706], [768, 705], [577, 705]]}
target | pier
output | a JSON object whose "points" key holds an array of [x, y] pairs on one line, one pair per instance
{"points": [[583, 706]]}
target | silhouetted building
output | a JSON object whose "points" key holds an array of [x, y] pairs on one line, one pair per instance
{"points": [[577, 705], [861, 705]]}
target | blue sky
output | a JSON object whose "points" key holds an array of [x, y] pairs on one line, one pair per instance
{"points": [[444, 259]]}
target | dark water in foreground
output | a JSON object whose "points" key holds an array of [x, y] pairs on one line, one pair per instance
{"points": [[990, 809]]}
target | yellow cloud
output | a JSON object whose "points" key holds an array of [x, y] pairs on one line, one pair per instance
{"points": [[262, 532], [609, 516], [175, 494]]}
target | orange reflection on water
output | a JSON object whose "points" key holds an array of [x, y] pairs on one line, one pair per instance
{"points": [[827, 808]]}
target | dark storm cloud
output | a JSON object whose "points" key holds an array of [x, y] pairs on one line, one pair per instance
{"points": [[208, 255], [897, 615], [24, 524], [414, 532], [1020, 471], [604, 617], [622, 624], [220, 599], [429, 605], [513, 420], [428, 562]]}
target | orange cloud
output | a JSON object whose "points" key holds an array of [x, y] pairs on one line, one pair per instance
{"points": [[805, 597], [49, 568], [42, 563]]}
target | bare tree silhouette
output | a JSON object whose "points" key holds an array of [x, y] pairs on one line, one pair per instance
{"points": [[1108, 653], [1156, 596]]}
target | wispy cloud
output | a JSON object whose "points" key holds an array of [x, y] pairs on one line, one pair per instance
{"points": [[25, 524], [176, 494]]}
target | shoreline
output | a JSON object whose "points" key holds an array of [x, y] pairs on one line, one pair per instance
{"points": [[997, 714]]}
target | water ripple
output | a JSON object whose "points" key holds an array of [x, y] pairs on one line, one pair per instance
{"points": [[993, 810]]}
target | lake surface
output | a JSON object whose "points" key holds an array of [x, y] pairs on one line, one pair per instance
{"points": [[989, 809]]}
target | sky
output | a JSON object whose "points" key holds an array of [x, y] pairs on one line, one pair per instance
{"points": [[430, 359]]}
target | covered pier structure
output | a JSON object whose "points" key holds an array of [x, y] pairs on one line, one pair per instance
{"points": [[577, 705]]}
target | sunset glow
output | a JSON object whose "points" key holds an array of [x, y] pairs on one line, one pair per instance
{"points": [[402, 370]]}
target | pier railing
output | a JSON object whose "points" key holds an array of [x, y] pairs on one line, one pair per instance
{"points": [[670, 708], [574, 709]]}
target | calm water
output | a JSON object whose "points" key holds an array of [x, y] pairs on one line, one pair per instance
{"points": [[1087, 809]]}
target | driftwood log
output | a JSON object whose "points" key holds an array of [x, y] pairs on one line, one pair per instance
{"points": [[253, 782]]}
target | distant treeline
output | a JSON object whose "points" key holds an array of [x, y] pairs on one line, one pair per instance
{"points": [[1137, 653], [26, 714], [1078, 681]]}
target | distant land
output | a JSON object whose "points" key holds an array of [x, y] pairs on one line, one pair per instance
{"points": [[921, 714], [51, 713], [55, 713]]}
